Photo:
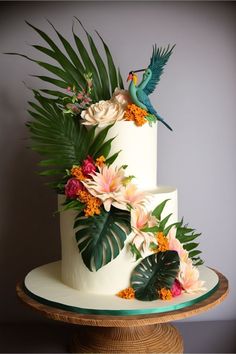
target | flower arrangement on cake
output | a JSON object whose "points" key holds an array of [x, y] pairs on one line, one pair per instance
{"points": [[70, 129]]}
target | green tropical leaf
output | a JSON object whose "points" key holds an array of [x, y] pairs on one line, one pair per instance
{"points": [[111, 66], [163, 223], [58, 83], [154, 272], [190, 246], [60, 138], [73, 57], [152, 229], [74, 75], [120, 81], [159, 209], [98, 140], [192, 254], [54, 93], [89, 66], [135, 251], [104, 149], [101, 238], [186, 235], [72, 68], [112, 158], [102, 71], [73, 204]]}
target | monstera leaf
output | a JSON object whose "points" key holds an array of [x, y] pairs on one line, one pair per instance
{"points": [[156, 271], [101, 238]]}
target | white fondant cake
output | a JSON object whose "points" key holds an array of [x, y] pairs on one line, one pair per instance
{"points": [[126, 238], [137, 144]]}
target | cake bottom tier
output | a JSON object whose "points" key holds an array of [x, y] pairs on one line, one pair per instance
{"points": [[44, 285], [115, 275]]}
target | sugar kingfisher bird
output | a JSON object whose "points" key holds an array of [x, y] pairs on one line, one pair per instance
{"points": [[151, 77]]}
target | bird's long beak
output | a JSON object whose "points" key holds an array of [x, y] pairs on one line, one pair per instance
{"points": [[138, 71]]}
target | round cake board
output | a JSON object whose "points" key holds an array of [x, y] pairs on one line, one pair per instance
{"points": [[44, 285]]}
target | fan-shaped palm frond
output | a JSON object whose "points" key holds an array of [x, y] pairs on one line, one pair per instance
{"points": [[60, 139], [72, 65]]}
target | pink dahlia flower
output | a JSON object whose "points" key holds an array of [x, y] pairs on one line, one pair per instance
{"points": [[189, 277], [72, 187], [88, 166], [176, 288], [133, 196], [176, 245], [141, 218], [107, 186]]}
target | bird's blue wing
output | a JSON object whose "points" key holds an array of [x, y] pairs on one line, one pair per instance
{"points": [[144, 99], [158, 60]]}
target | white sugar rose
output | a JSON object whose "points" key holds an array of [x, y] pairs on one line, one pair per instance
{"points": [[122, 97], [103, 113]]}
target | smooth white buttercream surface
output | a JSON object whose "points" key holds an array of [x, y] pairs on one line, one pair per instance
{"points": [[138, 147]]}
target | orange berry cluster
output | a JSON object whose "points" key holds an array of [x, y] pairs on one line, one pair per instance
{"points": [[100, 161], [127, 293], [136, 114], [163, 244], [76, 172], [92, 203], [165, 294]]}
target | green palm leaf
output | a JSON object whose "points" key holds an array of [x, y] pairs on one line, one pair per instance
{"points": [[76, 73], [111, 66], [120, 81], [104, 79], [89, 66], [72, 65], [154, 272], [186, 235], [60, 138], [58, 83], [101, 238], [72, 54]]}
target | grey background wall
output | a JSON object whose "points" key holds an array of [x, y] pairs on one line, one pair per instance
{"points": [[196, 95]]}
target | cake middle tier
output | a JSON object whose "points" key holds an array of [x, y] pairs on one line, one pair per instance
{"points": [[138, 151], [115, 275]]}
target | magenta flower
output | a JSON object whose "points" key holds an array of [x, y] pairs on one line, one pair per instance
{"points": [[72, 187], [88, 166], [176, 288]]}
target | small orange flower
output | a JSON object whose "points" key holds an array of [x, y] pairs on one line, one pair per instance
{"points": [[76, 171], [127, 293], [162, 242], [100, 161], [92, 203], [165, 294], [136, 114]]}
